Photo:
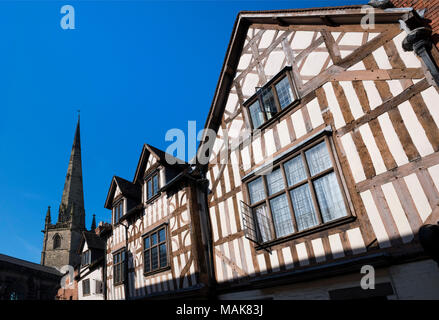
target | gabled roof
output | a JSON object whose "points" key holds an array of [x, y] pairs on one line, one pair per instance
{"points": [[28, 265], [92, 240], [161, 156], [313, 16], [128, 189]]}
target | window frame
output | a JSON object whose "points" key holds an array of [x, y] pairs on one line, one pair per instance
{"points": [[150, 178], [350, 216], [118, 204], [123, 269], [285, 72], [156, 230], [87, 252], [88, 286]]}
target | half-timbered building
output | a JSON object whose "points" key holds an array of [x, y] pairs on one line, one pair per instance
{"points": [[90, 275], [155, 247], [326, 156]]}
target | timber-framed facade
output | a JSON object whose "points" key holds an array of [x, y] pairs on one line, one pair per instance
{"points": [[375, 104], [333, 165], [154, 249]]}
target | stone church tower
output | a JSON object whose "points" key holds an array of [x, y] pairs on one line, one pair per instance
{"points": [[61, 240]]}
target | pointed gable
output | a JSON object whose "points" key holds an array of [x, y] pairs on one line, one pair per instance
{"points": [[90, 240], [264, 42], [120, 186], [150, 156]]}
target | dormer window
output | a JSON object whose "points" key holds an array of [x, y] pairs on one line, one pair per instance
{"points": [[86, 258], [275, 96], [152, 185], [118, 211]]}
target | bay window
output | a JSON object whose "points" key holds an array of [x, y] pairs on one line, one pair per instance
{"points": [[301, 192]]}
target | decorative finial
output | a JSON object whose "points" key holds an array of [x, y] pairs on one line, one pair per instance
{"points": [[48, 215]]}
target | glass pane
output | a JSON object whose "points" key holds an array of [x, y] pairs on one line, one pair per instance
{"points": [[154, 239], [147, 261], [116, 258], [261, 213], [268, 102], [256, 190], [156, 183], [146, 242], [122, 256], [154, 259], [256, 114], [303, 207], [283, 224], [163, 257], [318, 158], [284, 92], [275, 182], [295, 170], [162, 235], [149, 188], [116, 273], [329, 197]]}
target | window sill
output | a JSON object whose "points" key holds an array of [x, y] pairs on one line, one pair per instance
{"points": [[278, 115], [316, 229], [149, 273], [153, 198], [118, 284]]}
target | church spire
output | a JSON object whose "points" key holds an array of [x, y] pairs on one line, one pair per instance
{"points": [[93, 223], [72, 202]]}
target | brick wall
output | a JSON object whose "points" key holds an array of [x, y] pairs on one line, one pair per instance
{"points": [[432, 14], [70, 292]]}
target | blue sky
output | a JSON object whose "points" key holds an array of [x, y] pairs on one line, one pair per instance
{"points": [[134, 68]]}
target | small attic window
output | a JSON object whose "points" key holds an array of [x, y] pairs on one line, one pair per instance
{"points": [[86, 258], [118, 211], [152, 185], [274, 97]]}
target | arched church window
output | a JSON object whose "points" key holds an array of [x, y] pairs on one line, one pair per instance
{"points": [[56, 241]]}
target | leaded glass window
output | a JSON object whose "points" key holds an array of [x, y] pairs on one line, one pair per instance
{"points": [[284, 92], [152, 185], [270, 99], [256, 115], [119, 267], [155, 251], [300, 193]]}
